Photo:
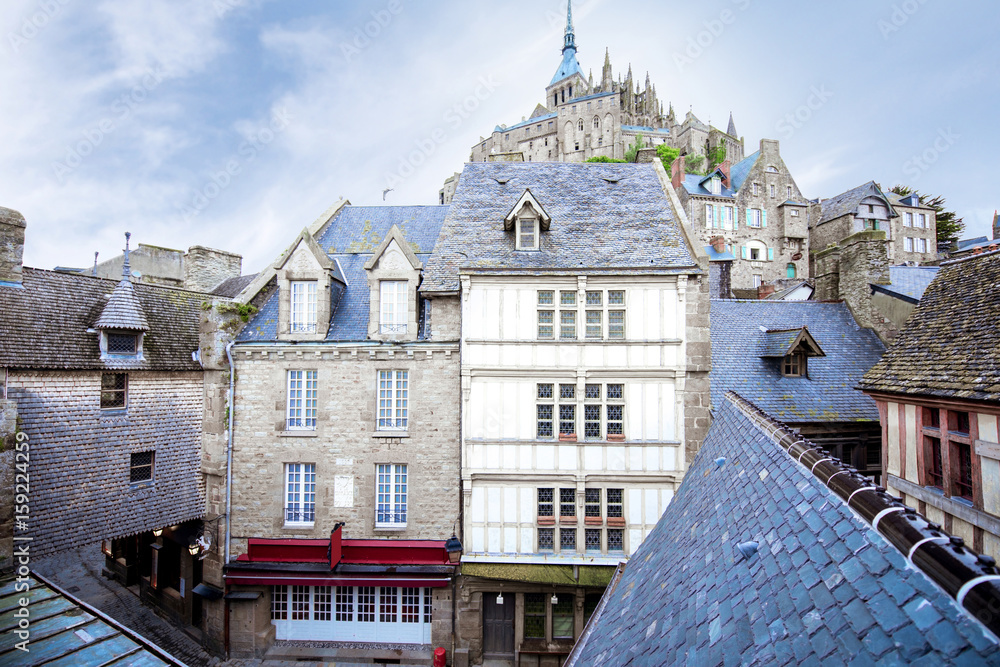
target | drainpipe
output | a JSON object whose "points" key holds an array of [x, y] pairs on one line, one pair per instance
{"points": [[229, 448]]}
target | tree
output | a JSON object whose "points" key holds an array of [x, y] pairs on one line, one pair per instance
{"points": [[949, 225], [604, 158], [667, 155], [693, 164], [633, 150]]}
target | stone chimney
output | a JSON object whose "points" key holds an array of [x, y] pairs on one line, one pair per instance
{"points": [[718, 244], [207, 268], [677, 172], [765, 291], [726, 167], [864, 261], [11, 246]]}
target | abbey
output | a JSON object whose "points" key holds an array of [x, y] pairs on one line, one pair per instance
{"points": [[582, 119]]}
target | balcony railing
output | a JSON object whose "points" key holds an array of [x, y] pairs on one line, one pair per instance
{"points": [[393, 424], [300, 515], [392, 328]]}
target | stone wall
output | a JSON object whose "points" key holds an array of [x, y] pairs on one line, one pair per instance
{"points": [[11, 245], [157, 266], [8, 430], [345, 446], [80, 455], [206, 268], [696, 389], [446, 319], [864, 261]]}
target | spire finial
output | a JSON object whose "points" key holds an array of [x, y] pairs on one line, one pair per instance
{"points": [[95, 262], [570, 37], [126, 269]]}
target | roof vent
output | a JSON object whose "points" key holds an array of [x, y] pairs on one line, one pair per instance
{"points": [[721, 461], [747, 549], [613, 181], [502, 181]]}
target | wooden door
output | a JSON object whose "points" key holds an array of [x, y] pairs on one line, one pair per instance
{"points": [[498, 625]]}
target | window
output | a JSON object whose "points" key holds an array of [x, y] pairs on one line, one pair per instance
{"points": [[605, 401], [794, 365], [567, 318], [592, 503], [567, 502], [616, 540], [562, 618], [709, 216], [545, 409], [546, 503], [140, 467], [387, 605], [300, 603], [728, 217], [580, 125], [527, 234], [790, 270], [534, 616], [366, 604], [935, 469], [322, 603], [546, 539], [391, 496], [300, 493], [949, 432], [908, 244], [409, 610], [756, 189], [599, 311], [114, 391], [773, 193], [394, 306], [301, 409], [921, 245], [567, 411], [345, 603], [615, 505], [567, 540], [788, 191], [758, 280], [755, 218], [304, 306], [597, 123], [546, 317], [908, 220], [923, 220], [592, 539], [795, 212], [279, 603], [962, 467], [122, 343], [393, 400]]}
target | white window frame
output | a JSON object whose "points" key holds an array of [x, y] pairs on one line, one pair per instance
{"points": [[301, 400], [758, 280], [728, 216], [602, 399], [303, 306], [922, 245], [604, 315], [709, 216], [522, 233], [756, 217], [908, 219], [908, 244], [773, 190], [393, 400], [394, 306], [391, 490], [923, 220], [300, 494]]}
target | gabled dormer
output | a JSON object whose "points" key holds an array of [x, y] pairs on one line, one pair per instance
{"points": [[793, 347], [122, 323], [308, 282], [528, 220], [393, 279]]}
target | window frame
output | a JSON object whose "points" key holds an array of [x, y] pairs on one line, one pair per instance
{"points": [[392, 401], [114, 406], [300, 512], [604, 396], [302, 400], [520, 225], [908, 244], [795, 365], [756, 218], [949, 454], [607, 313], [392, 488], [394, 307], [131, 335], [133, 467], [302, 305]]}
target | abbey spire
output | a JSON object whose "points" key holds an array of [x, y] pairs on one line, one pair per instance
{"points": [[570, 36]]}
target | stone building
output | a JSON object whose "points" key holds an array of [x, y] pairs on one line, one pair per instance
{"points": [[757, 208], [584, 391], [107, 384], [200, 269], [771, 553], [909, 226], [583, 118], [938, 392], [346, 441]]}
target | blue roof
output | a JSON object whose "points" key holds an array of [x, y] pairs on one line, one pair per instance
{"points": [[910, 281], [823, 588], [965, 244], [693, 185], [568, 67], [642, 128], [828, 394], [714, 256], [351, 238], [738, 174], [530, 121]]}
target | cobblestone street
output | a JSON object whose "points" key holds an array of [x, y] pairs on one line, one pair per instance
{"points": [[78, 571]]}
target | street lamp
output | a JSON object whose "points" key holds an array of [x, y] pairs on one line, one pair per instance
{"points": [[454, 548]]}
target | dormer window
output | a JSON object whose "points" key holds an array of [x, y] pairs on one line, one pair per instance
{"points": [[792, 347], [716, 185], [527, 220], [395, 306], [527, 233], [794, 365], [120, 343], [303, 306]]}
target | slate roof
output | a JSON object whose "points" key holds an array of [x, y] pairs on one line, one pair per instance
{"points": [[782, 342], [351, 238], [781, 295], [232, 286], [968, 244], [823, 588], [828, 394], [693, 185], [847, 202], [123, 310], [909, 281], [568, 67], [45, 324], [67, 631], [948, 347], [739, 172], [605, 217], [531, 121], [642, 128]]}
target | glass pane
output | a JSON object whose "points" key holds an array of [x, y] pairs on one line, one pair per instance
{"points": [[616, 298], [545, 391], [545, 298], [594, 298], [534, 616], [567, 298]]}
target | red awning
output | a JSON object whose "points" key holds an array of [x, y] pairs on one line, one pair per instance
{"points": [[323, 579]]}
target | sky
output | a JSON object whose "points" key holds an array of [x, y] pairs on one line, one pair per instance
{"points": [[234, 124]]}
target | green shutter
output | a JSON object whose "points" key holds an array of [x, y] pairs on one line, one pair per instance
{"points": [[763, 218], [770, 254]]}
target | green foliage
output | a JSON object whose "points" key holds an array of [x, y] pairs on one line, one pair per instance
{"points": [[633, 150], [605, 159], [244, 310], [667, 155], [716, 156], [949, 225], [694, 163]]}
